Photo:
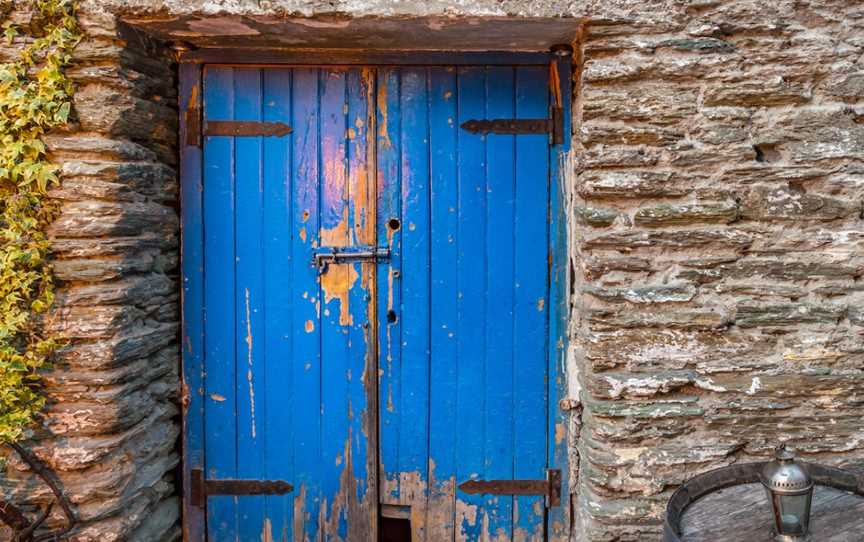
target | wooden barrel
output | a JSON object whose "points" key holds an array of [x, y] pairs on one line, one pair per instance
{"points": [[742, 514]]}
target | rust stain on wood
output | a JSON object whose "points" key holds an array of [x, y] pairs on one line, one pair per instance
{"points": [[555, 82], [560, 432], [382, 110]]}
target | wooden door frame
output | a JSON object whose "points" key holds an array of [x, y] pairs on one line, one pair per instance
{"points": [[190, 73]]}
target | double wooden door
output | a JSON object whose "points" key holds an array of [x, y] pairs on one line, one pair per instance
{"points": [[375, 300]]}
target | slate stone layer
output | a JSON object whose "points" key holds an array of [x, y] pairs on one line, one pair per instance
{"points": [[112, 426], [718, 249]]}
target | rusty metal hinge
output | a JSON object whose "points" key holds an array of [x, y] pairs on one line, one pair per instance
{"points": [[553, 126], [549, 488], [245, 128], [202, 488], [325, 256]]}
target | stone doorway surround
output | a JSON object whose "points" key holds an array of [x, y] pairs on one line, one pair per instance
{"points": [[716, 238]]}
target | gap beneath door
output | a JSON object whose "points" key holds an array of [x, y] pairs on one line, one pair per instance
{"points": [[394, 523]]}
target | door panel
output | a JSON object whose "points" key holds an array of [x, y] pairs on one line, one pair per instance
{"points": [[463, 337], [287, 385], [420, 372]]}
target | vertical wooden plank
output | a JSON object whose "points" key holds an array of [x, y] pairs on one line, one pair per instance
{"points": [[559, 517], [306, 358], [498, 385], [472, 292], [191, 208], [249, 300], [444, 303], [362, 367], [219, 285], [414, 312], [279, 395], [336, 283], [389, 230], [531, 303]]}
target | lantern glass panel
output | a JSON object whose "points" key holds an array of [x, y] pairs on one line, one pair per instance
{"points": [[793, 513]]}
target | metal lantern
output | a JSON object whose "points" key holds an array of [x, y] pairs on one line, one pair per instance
{"points": [[790, 491]]}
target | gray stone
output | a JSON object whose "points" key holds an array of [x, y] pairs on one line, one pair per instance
{"points": [[645, 294], [745, 90], [683, 318], [681, 239], [596, 216], [700, 45], [785, 203], [629, 134], [631, 184], [679, 215], [99, 218], [788, 314]]}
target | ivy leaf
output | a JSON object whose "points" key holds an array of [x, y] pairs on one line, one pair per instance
{"points": [[62, 114], [9, 32], [35, 97]]}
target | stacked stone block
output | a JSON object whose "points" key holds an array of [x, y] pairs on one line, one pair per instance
{"points": [[718, 249], [110, 430]]}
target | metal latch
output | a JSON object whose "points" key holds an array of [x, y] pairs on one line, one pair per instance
{"points": [[549, 488], [553, 126], [335, 255], [202, 488]]}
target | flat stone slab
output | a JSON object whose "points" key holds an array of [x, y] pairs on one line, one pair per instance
{"points": [[742, 513]]}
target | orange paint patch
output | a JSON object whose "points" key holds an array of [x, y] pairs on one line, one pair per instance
{"points": [[336, 284], [338, 280], [560, 433], [383, 135], [309, 326]]}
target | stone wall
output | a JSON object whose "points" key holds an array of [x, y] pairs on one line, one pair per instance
{"points": [[111, 429], [719, 248]]}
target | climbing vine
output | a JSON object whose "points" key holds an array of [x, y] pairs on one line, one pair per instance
{"points": [[35, 97]]}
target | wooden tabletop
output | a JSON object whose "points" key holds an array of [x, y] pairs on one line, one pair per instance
{"points": [[742, 514]]}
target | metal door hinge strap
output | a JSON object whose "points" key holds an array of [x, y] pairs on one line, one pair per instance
{"points": [[553, 126], [202, 488], [550, 487], [245, 128], [336, 255]]}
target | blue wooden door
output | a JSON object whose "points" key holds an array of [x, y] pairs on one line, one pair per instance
{"points": [[464, 300], [377, 383], [287, 356]]}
